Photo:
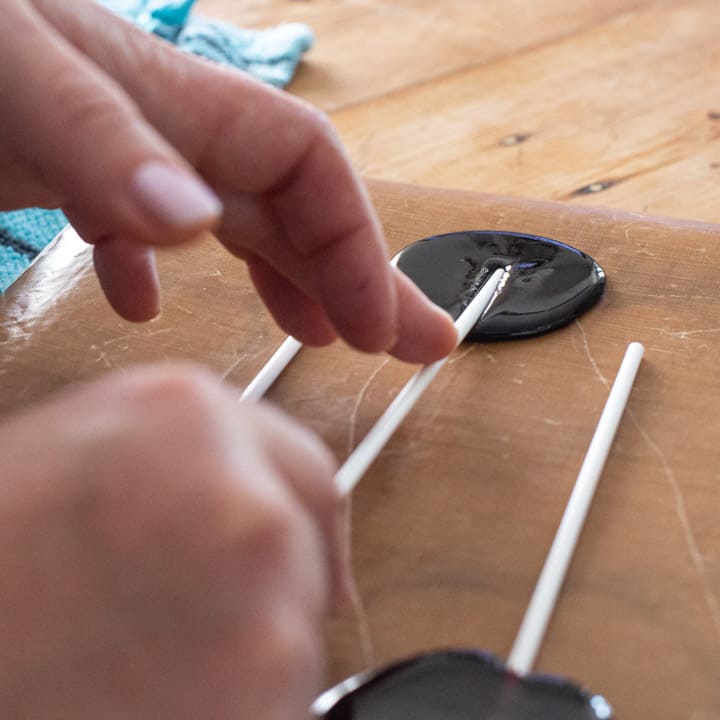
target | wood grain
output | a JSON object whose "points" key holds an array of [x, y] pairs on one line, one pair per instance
{"points": [[620, 97], [451, 525], [613, 105]]}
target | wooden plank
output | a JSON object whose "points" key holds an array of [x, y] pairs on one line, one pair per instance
{"points": [[614, 97], [367, 49], [452, 523], [625, 107]]}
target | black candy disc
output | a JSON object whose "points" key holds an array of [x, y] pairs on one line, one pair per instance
{"points": [[550, 283], [458, 685]]}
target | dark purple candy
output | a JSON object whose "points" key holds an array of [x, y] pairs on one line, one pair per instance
{"points": [[457, 685], [550, 283]]}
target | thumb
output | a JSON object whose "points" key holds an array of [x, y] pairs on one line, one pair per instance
{"points": [[79, 139]]}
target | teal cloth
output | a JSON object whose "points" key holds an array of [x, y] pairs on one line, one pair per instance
{"points": [[23, 234], [271, 55]]}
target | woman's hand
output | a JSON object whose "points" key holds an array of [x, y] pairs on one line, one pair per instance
{"points": [[143, 145], [166, 553]]}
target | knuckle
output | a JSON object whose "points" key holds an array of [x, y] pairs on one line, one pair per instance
{"points": [[84, 103], [283, 548], [291, 646], [273, 535], [159, 422], [178, 391], [286, 541], [287, 644], [320, 122], [321, 133], [157, 491]]}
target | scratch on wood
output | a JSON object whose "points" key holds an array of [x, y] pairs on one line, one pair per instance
{"points": [[102, 356], [682, 334], [461, 355], [551, 421], [160, 331], [236, 361], [590, 357], [711, 600], [187, 311], [120, 338], [361, 619], [649, 349], [358, 402]]}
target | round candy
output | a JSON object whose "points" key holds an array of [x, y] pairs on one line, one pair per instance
{"points": [[460, 684], [550, 283]]}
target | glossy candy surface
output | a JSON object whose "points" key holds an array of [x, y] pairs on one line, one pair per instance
{"points": [[458, 685], [550, 283]]}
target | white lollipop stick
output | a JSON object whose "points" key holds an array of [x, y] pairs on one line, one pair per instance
{"points": [[272, 369], [537, 616], [369, 448]]}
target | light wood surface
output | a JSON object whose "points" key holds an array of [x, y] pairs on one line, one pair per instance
{"points": [[622, 92], [535, 100], [451, 525]]}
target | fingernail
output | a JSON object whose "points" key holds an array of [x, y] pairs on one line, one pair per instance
{"points": [[175, 196]]}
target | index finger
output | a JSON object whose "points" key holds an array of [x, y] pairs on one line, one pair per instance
{"points": [[312, 220], [286, 153]]}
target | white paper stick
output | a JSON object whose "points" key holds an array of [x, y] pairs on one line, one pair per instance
{"points": [[270, 372], [538, 613], [274, 367], [369, 448]]}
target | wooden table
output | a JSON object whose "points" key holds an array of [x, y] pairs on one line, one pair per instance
{"points": [[609, 108], [612, 104]]}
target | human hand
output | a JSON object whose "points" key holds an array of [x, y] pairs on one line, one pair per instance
{"points": [[128, 135], [166, 552]]}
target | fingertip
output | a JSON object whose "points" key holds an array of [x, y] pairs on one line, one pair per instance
{"points": [[362, 303], [127, 275], [444, 334], [426, 332], [175, 197], [434, 341]]}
